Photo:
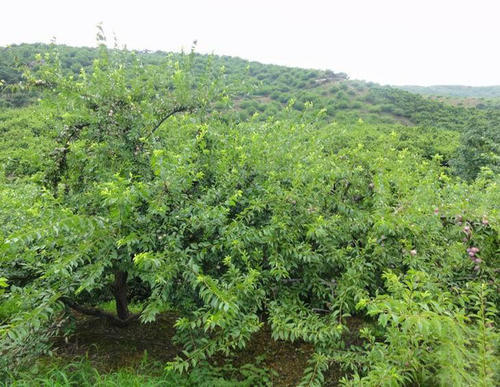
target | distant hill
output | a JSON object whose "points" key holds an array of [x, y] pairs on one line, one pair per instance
{"points": [[265, 90], [261, 92], [455, 90]]}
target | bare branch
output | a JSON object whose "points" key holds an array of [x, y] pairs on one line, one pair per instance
{"points": [[290, 280], [319, 310], [177, 109], [91, 311]]}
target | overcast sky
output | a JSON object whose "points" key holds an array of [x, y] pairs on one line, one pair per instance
{"points": [[423, 42]]}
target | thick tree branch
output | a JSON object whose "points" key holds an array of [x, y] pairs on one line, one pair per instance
{"points": [[60, 155], [177, 109], [291, 280], [96, 312], [320, 310]]}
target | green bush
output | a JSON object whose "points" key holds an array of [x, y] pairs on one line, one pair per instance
{"points": [[125, 184]]}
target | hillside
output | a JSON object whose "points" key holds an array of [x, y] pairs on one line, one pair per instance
{"points": [[263, 89], [259, 91], [184, 219], [455, 91]]}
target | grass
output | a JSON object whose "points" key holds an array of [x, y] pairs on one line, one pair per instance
{"points": [[148, 373], [99, 354]]}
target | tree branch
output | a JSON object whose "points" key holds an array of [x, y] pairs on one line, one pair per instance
{"points": [[91, 311], [290, 280], [175, 110], [320, 310]]}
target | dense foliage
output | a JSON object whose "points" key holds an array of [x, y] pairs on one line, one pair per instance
{"points": [[135, 179], [456, 91], [264, 91]]}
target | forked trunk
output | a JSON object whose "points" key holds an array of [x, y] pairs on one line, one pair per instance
{"points": [[120, 291]]}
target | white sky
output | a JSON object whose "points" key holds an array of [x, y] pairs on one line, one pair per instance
{"points": [[422, 42]]}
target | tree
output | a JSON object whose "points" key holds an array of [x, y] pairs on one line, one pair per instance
{"points": [[107, 120], [289, 222], [480, 147]]}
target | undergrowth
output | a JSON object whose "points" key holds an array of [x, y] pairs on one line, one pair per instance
{"points": [[149, 373]]}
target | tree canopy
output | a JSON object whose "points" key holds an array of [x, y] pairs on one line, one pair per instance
{"points": [[135, 185]]}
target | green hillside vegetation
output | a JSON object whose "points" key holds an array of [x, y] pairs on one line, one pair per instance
{"points": [[455, 90], [478, 103], [184, 219], [261, 91]]}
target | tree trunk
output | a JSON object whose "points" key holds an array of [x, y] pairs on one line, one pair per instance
{"points": [[120, 291]]}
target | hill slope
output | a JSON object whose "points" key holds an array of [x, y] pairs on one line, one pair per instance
{"points": [[264, 89], [455, 90], [261, 91]]}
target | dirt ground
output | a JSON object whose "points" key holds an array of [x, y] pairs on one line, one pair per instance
{"points": [[110, 348]]}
